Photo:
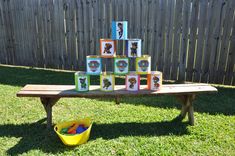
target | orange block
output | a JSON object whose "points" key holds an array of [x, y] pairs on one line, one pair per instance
{"points": [[107, 48], [154, 80]]}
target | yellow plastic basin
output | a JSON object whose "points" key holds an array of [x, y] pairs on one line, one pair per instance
{"points": [[76, 139]]}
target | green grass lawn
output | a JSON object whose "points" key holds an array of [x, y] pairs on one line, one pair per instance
{"points": [[138, 126]]}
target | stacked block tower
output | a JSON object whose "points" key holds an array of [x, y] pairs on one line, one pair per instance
{"points": [[121, 64]]}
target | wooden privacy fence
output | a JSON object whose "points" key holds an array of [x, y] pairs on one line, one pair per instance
{"points": [[191, 40]]}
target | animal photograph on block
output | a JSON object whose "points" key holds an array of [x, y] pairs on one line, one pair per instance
{"points": [[154, 80], [82, 81], [143, 64], [133, 48], [119, 30], [121, 65], [93, 65], [132, 81], [107, 81], [107, 48]]}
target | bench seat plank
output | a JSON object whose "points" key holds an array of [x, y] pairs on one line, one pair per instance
{"points": [[68, 90]]}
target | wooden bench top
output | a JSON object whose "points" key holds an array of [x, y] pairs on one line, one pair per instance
{"points": [[58, 91]]}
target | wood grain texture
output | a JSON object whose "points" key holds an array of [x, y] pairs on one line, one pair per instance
{"points": [[192, 40], [224, 42], [200, 40], [230, 72], [217, 22], [3, 49], [169, 40], [208, 38], [176, 41], [69, 90], [184, 40], [159, 37]]}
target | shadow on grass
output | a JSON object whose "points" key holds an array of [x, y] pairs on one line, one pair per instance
{"points": [[36, 136], [115, 130], [20, 76], [221, 103]]}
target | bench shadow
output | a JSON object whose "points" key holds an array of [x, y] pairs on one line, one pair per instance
{"points": [[115, 130], [222, 102], [36, 136]]}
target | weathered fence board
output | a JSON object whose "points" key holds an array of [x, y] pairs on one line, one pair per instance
{"points": [[184, 40], [208, 37], [169, 38], [224, 46], [187, 39], [200, 39], [230, 66], [3, 50], [217, 20], [192, 39], [176, 41], [80, 42], [151, 27], [39, 35], [158, 43]]}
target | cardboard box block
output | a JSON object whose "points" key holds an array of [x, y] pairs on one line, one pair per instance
{"points": [[132, 81], [119, 30], [107, 81], [107, 48], [133, 48], [121, 65], [154, 80], [143, 64], [82, 81], [93, 65]]}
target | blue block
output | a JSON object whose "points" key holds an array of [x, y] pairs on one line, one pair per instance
{"points": [[119, 30], [133, 48], [80, 129]]}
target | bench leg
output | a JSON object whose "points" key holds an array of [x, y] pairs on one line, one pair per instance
{"points": [[187, 107], [191, 115], [117, 100], [48, 103]]}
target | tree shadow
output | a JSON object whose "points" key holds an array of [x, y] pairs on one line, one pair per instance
{"points": [[32, 136], [36, 136], [20, 76]]}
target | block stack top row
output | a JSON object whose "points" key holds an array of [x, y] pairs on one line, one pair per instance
{"points": [[119, 32]]}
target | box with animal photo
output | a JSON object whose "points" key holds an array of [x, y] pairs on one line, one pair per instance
{"points": [[93, 65], [121, 65], [132, 81], [133, 48], [107, 81], [143, 64], [154, 80], [107, 48], [119, 30], [82, 81]]}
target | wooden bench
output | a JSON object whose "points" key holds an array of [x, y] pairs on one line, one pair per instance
{"points": [[50, 94]]}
